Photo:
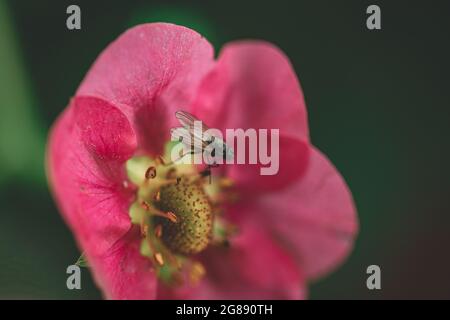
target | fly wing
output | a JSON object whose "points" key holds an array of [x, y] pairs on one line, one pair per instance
{"points": [[187, 138], [187, 120]]}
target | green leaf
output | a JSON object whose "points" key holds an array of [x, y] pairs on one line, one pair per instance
{"points": [[82, 262]]}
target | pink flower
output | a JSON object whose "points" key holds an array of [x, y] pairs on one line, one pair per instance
{"points": [[282, 230]]}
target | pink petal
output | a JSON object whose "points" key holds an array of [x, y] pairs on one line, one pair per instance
{"points": [[315, 218], [149, 72], [124, 273], [86, 155], [293, 158], [254, 266], [253, 85], [104, 130]]}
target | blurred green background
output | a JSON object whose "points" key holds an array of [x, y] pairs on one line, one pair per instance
{"points": [[378, 105]]}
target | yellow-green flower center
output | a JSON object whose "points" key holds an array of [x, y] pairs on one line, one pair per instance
{"points": [[189, 202], [176, 209]]}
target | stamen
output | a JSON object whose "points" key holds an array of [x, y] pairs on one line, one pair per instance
{"points": [[172, 217], [158, 231], [176, 263], [145, 205], [226, 182], [197, 272], [144, 229], [155, 212], [157, 196], [156, 255], [150, 173], [160, 160], [159, 258]]}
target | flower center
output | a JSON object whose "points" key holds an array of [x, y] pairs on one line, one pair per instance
{"points": [[192, 231], [176, 209]]}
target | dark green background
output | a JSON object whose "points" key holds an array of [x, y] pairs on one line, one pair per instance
{"points": [[378, 105]]}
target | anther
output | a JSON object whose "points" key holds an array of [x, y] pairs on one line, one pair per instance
{"points": [[172, 217], [158, 231], [144, 230], [150, 173], [157, 196], [145, 205], [159, 258], [153, 211], [196, 273], [226, 182]]}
